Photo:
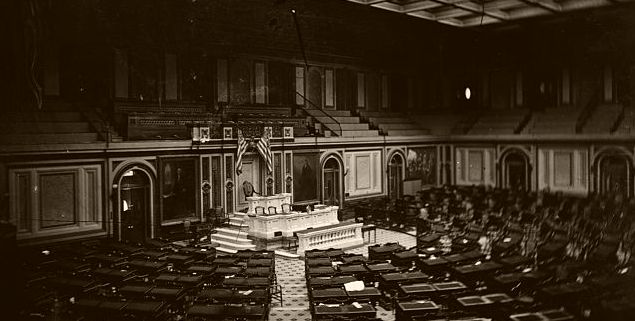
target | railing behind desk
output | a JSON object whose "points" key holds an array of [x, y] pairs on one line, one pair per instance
{"points": [[333, 236]]}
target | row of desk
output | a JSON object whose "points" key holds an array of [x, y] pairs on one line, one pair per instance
{"points": [[119, 282], [326, 281]]}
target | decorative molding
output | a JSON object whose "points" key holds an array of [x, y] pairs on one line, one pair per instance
{"points": [[228, 133], [288, 132]]}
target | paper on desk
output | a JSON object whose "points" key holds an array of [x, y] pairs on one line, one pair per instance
{"points": [[354, 286], [248, 292], [336, 263], [357, 305]]}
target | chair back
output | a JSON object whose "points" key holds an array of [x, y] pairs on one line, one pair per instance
{"points": [[286, 208], [260, 210], [272, 210]]}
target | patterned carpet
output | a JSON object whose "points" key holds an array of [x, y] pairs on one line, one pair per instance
{"points": [[290, 274]]}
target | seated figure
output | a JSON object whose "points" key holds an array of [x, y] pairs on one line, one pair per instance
{"points": [[248, 189]]}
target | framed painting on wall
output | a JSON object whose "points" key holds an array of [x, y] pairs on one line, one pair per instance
{"points": [[305, 174], [178, 189], [422, 164]]}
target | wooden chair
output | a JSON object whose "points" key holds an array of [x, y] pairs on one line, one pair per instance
{"points": [[260, 210], [272, 210], [286, 208], [276, 291]]}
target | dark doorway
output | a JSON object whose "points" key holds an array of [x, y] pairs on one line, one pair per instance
{"points": [[395, 177], [331, 188], [614, 175], [134, 206], [516, 170]]}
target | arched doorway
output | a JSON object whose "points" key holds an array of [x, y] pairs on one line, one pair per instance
{"points": [[516, 171], [614, 175], [331, 189], [134, 203], [395, 177]]}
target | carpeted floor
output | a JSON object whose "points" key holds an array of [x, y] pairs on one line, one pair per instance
{"points": [[290, 274]]}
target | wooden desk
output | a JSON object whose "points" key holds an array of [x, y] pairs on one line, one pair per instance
{"points": [[106, 259], [402, 278], [151, 255], [228, 270], [319, 261], [383, 252], [147, 266], [259, 262], [263, 271], [344, 310], [200, 269], [320, 270], [485, 267], [234, 296], [371, 294], [357, 258], [473, 301], [418, 289], [330, 281], [449, 286], [325, 294], [113, 275], [513, 261], [168, 294], [352, 269], [225, 260], [180, 259], [381, 267], [190, 280], [408, 309], [139, 290], [220, 311], [246, 282], [404, 258]]}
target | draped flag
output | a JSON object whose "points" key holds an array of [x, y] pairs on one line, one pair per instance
{"points": [[242, 149], [264, 148]]}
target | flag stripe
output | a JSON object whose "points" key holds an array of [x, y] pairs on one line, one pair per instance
{"points": [[242, 149], [264, 148]]}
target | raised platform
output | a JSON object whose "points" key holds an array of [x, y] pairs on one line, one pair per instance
{"points": [[268, 201], [271, 226]]}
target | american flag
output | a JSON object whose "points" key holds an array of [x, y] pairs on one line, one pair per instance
{"points": [[264, 147], [242, 149]]}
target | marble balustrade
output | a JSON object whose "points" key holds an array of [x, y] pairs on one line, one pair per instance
{"points": [[342, 235]]}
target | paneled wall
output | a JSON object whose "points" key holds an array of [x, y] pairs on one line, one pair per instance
{"points": [[563, 169], [54, 200], [475, 166], [364, 173]]}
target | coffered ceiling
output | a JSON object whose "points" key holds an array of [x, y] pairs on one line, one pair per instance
{"points": [[469, 13]]}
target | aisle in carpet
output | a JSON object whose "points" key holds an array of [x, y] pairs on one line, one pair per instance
{"points": [[290, 274]]}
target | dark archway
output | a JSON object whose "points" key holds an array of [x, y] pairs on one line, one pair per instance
{"points": [[515, 171], [331, 188], [135, 206], [614, 175], [395, 176]]}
